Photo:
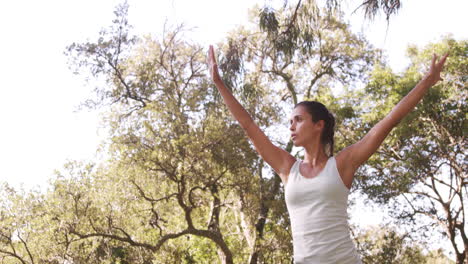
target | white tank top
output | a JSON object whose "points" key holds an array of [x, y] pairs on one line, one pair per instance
{"points": [[319, 219]]}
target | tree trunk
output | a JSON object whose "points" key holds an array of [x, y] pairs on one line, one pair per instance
{"points": [[463, 258], [224, 252], [268, 194], [250, 234], [225, 256]]}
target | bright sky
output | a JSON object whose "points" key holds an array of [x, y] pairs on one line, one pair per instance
{"points": [[40, 128], [39, 95]]}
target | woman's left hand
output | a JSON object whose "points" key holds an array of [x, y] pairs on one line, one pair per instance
{"points": [[436, 68]]}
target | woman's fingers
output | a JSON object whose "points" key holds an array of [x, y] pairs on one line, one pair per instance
{"points": [[441, 64], [442, 61], [210, 52], [211, 55], [434, 58], [212, 66], [437, 65]]}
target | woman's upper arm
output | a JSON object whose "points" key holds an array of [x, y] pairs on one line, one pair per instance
{"points": [[351, 157], [279, 159]]}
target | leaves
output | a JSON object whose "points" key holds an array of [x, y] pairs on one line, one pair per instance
{"points": [[419, 170], [182, 183]]}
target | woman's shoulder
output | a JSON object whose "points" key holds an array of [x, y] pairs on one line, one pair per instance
{"points": [[346, 172], [291, 165]]}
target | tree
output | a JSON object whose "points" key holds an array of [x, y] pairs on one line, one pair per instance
{"points": [[86, 212], [167, 168], [420, 170], [371, 9], [17, 226], [385, 245], [179, 164], [182, 184], [292, 62]]}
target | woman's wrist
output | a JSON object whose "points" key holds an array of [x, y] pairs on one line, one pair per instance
{"points": [[430, 79]]}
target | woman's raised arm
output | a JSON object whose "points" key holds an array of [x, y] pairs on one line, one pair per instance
{"points": [[280, 160], [358, 153]]}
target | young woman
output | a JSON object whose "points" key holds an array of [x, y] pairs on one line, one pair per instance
{"points": [[317, 188]]}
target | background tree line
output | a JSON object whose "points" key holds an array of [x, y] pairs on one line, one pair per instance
{"points": [[181, 183]]}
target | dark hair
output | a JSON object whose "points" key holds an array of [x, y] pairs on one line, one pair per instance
{"points": [[318, 111]]}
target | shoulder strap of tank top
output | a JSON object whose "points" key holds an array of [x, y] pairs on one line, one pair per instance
{"points": [[337, 173], [294, 169], [334, 168], [333, 160]]}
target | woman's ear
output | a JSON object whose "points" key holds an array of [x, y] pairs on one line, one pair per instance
{"points": [[321, 124]]}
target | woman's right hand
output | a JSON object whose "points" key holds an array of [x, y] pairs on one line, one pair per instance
{"points": [[213, 66]]}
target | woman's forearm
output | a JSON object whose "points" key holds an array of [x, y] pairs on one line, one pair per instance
{"points": [[407, 104], [236, 109], [360, 152]]}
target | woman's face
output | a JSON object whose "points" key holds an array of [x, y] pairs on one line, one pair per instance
{"points": [[303, 130]]}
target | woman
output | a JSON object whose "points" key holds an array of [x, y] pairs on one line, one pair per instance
{"points": [[317, 188]]}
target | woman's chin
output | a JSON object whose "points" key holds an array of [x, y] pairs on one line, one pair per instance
{"points": [[296, 143]]}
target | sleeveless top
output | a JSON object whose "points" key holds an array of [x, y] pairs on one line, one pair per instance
{"points": [[319, 219]]}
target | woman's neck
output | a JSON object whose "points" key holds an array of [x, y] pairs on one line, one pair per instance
{"points": [[315, 155]]}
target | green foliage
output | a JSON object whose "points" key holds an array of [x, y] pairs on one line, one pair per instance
{"points": [[178, 164], [182, 184], [371, 8], [268, 21], [420, 170], [386, 246]]}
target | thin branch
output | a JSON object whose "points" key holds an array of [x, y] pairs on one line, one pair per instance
{"points": [[27, 248], [126, 239], [14, 255], [149, 199], [293, 19]]}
